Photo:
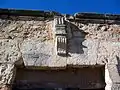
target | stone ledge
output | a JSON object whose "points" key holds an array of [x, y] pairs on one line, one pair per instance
{"points": [[34, 13], [97, 16], [94, 18]]}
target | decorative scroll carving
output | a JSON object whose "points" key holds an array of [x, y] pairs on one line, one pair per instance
{"points": [[61, 37]]}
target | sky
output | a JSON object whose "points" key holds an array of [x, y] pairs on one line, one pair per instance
{"points": [[65, 6]]}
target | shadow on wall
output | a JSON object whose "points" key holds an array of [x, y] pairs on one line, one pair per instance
{"points": [[76, 39], [118, 66]]}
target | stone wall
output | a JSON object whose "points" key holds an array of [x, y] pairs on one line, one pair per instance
{"points": [[57, 41], [100, 46], [21, 40]]}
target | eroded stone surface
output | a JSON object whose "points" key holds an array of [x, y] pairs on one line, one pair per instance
{"points": [[9, 51], [7, 74], [100, 31], [12, 29], [99, 46], [33, 42], [14, 33], [37, 53], [112, 77]]}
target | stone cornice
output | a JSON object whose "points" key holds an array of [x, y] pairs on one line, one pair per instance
{"points": [[94, 18], [76, 16], [6, 13]]}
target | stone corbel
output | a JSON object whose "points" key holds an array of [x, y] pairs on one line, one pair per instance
{"points": [[61, 36]]}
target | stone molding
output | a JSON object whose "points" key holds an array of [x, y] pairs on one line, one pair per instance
{"points": [[61, 35]]}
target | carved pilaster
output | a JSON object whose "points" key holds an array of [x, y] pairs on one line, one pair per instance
{"points": [[61, 35]]}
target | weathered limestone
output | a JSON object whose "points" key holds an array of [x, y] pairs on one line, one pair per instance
{"points": [[10, 51], [14, 29], [78, 47], [7, 74], [112, 77], [53, 40], [14, 33], [101, 47], [37, 53]]}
